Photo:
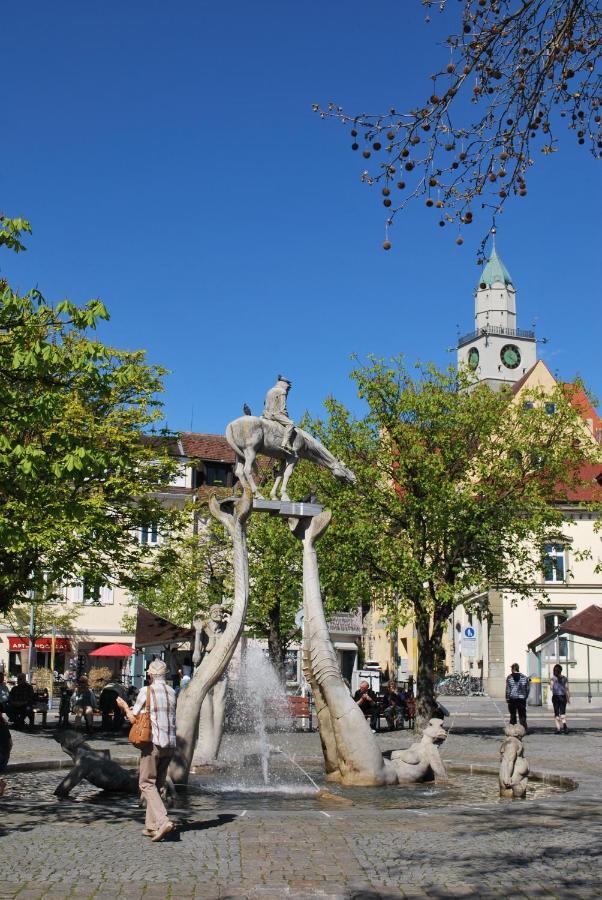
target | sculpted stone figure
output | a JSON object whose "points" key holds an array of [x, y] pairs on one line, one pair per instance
{"points": [[211, 721], [274, 409], [514, 768], [95, 766], [422, 761], [275, 435]]}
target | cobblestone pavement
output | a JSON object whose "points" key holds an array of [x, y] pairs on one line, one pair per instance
{"points": [[547, 848]]}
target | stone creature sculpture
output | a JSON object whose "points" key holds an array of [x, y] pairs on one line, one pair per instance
{"points": [[252, 435], [233, 516], [213, 709], [422, 761], [95, 766], [514, 768], [351, 754]]}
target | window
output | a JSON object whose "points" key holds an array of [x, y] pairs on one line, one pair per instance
{"points": [[217, 473], [553, 563], [550, 408], [558, 649], [149, 534]]}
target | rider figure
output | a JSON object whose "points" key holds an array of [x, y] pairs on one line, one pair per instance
{"points": [[275, 410]]}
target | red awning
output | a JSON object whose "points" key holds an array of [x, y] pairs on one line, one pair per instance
{"points": [[44, 644]]}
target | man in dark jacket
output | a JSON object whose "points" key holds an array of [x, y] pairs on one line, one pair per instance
{"points": [[368, 703], [517, 691], [20, 702]]}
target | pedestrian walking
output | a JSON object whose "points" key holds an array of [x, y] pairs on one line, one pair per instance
{"points": [[560, 697], [159, 701], [517, 691]]}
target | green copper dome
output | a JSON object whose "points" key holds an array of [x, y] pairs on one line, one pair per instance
{"points": [[495, 272]]}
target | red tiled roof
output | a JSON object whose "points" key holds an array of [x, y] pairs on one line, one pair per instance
{"points": [[591, 488], [206, 446]]}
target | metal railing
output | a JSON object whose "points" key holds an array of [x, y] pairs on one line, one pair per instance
{"points": [[496, 329]]}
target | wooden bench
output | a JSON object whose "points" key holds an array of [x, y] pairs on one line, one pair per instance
{"points": [[300, 708], [40, 704]]}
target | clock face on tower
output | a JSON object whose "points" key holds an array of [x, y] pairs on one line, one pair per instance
{"points": [[510, 356], [473, 357]]}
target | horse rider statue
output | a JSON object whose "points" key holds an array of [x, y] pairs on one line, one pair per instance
{"points": [[274, 409]]}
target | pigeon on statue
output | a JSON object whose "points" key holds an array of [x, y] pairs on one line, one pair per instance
{"points": [[247, 410]]}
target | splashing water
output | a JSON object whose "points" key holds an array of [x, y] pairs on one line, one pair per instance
{"points": [[257, 706]]}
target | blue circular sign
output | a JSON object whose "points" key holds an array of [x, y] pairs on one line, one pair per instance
{"points": [[469, 631]]}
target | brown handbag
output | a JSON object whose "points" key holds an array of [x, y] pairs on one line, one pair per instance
{"points": [[141, 732]]}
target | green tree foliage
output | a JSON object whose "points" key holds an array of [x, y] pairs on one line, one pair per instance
{"points": [[76, 476], [457, 487], [198, 575]]}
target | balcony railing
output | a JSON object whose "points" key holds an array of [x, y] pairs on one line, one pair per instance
{"points": [[498, 330]]}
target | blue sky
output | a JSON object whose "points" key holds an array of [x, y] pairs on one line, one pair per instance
{"points": [[170, 163]]}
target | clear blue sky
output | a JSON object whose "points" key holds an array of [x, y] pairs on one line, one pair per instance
{"points": [[170, 163]]}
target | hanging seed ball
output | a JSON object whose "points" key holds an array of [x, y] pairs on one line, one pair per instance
{"points": [[429, 202], [503, 194], [386, 202], [462, 155], [386, 245], [459, 241], [409, 166], [523, 192], [426, 127], [355, 146], [439, 204], [449, 147], [503, 156], [366, 154], [501, 173], [441, 223], [450, 68], [455, 165], [405, 152], [468, 216], [353, 132], [466, 70], [597, 120], [433, 182], [390, 135], [376, 145], [386, 192], [401, 185], [467, 28], [492, 176], [435, 98]]}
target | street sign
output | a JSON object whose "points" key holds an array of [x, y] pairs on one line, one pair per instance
{"points": [[469, 641]]}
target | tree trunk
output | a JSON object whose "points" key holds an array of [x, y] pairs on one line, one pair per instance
{"points": [[429, 655]]}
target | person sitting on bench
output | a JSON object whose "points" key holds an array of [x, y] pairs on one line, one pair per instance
{"points": [[20, 702], [367, 701]]}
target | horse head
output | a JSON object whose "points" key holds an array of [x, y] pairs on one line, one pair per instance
{"points": [[342, 473]]}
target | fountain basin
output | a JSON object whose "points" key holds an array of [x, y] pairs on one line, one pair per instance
{"points": [[467, 786]]}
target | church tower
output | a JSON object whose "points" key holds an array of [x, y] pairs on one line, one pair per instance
{"points": [[497, 350]]}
